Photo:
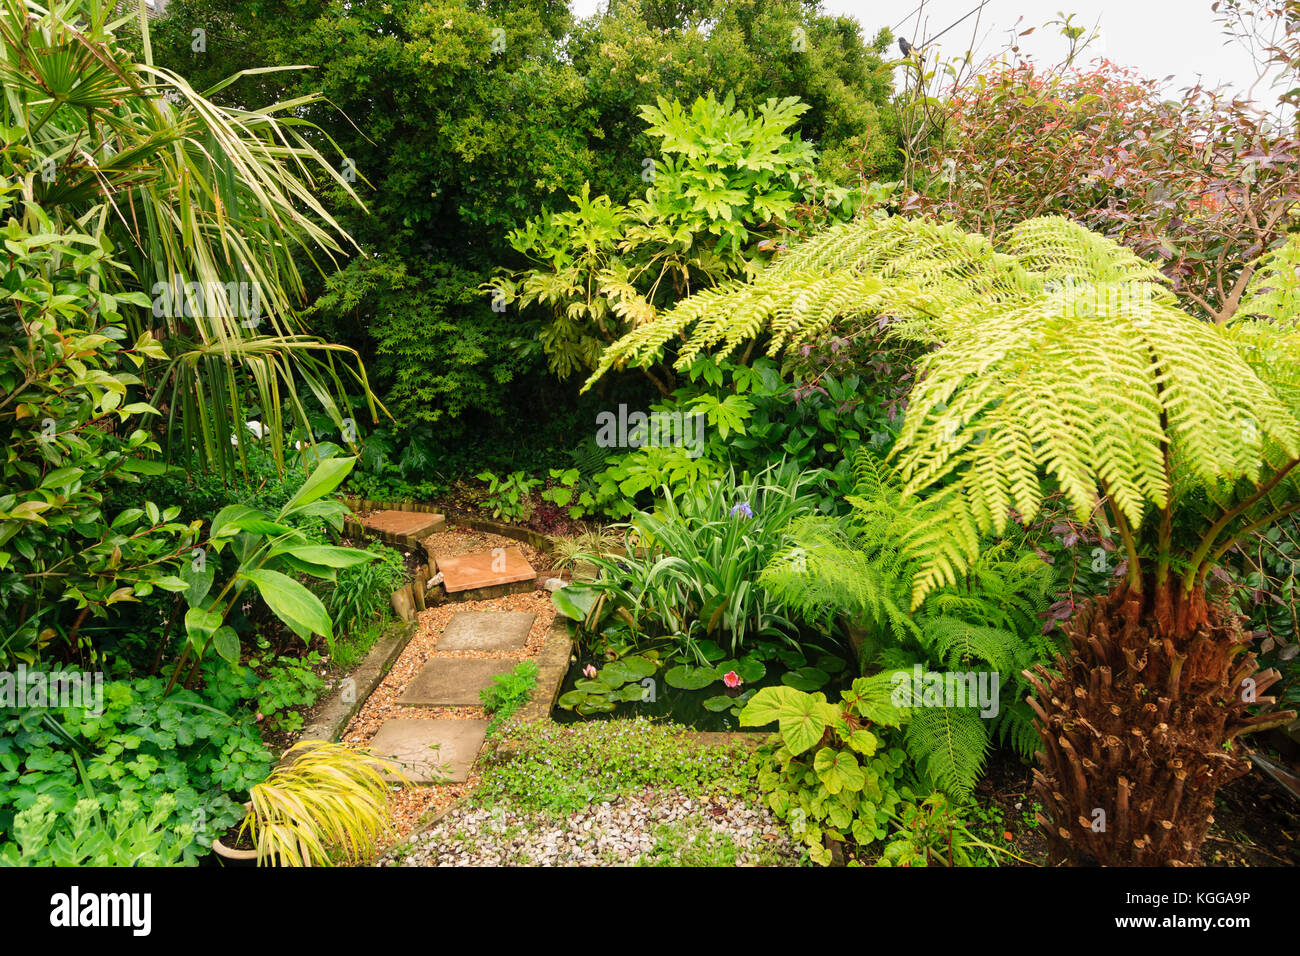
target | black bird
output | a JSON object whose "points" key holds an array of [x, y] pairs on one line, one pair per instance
{"points": [[905, 47]]}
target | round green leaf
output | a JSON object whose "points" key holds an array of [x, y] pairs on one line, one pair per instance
{"points": [[806, 679], [685, 677]]}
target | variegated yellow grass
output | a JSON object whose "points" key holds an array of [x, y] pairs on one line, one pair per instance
{"points": [[324, 802]]}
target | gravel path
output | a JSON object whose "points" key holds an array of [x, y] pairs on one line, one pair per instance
{"points": [[412, 804], [658, 828]]}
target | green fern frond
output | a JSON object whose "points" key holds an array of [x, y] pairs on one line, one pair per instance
{"points": [[824, 573], [950, 743], [1062, 362], [1015, 728], [962, 645]]}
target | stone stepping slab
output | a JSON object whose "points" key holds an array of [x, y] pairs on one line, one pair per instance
{"points": [[487, 631], [464, 572], [431, 751], [452, 682], [408, 524]]}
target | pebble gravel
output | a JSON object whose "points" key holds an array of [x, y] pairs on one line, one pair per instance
{"points": [[621, 832]]}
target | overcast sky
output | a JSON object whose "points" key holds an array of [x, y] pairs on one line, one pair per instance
{"points": [[1159, 37]]}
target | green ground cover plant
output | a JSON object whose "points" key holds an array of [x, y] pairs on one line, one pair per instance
{"points": [[562, 768]]}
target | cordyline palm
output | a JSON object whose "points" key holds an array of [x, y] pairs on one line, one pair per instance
{"points": [[1062, 364], [189, 193]]}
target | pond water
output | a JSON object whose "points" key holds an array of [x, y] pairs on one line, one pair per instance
{"points": [[656, 699]]}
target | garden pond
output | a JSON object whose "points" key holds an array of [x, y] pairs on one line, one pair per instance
{"points": [[703, 696]]}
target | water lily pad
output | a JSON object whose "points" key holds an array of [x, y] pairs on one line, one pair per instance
{"points": [[616, 674], [631, 693], [740, 702], [791, 657], [807, 679], [594, 705], [720, 703], [593, 686], [630, 668], [572, 699], [831, 664], [711, 651], [685, 677], [751, 669]]}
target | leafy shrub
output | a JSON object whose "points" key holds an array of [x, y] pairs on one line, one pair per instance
{"points": [[816, 412], [833, 772], [723, 177], [825, 776], [509, 496], [1171, 178], [143, 746], [70, 425], [269, 554]]}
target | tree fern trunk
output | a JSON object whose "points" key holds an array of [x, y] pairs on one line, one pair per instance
{"points": [[1135, 723]]}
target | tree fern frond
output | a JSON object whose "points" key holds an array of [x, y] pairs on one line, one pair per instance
{"points": [[962, 645]]}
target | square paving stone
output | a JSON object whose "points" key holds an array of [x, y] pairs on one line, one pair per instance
{"points": [[452, 682], [462, 572], [486, 631], [413, 524], [431, 751]]}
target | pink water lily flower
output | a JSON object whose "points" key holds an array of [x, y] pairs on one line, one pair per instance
{"points": [[589, 671], [732, 679]]}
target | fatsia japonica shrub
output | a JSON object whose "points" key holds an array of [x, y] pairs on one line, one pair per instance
{"points": [[71, 424], [1061, 364], [725, 179]]}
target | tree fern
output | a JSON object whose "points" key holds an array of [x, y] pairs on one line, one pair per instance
{"points": [[1061, 362]]}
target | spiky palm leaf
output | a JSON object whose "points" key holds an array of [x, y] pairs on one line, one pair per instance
{"points": [[190, 193]]}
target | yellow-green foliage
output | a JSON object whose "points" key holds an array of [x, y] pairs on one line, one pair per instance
{"points": [[1057, 353], [324, 797]]}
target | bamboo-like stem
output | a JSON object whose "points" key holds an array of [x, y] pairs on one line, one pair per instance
{"points": [[1130, 542], [1207, 542]]}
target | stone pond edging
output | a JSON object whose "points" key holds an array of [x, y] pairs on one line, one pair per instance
{"points": [[552, 666]]}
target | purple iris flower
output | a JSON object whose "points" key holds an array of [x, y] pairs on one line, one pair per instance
{"points": [[743, 510]]}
